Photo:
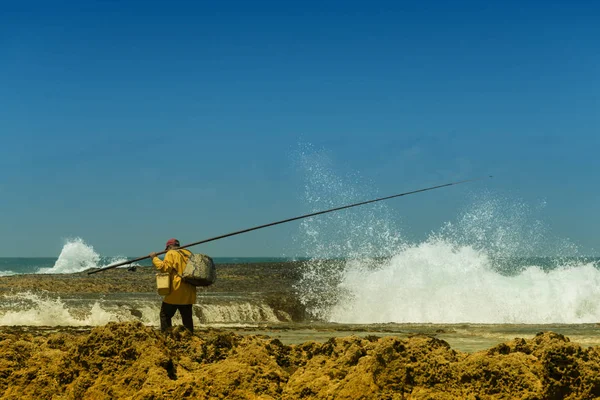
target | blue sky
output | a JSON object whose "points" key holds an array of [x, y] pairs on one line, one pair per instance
{"points": [[126, 123]]}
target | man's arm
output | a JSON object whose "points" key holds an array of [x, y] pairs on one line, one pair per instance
{"points": [[163, 265]]}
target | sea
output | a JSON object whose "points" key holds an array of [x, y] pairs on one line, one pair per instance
{"points": [[491, 271], [62, 265], [454, 292]]}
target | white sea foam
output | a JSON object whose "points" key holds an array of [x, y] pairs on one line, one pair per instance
{"points": [[76, 256], [361, 233], [32, 309], [466, 271], [445, 283], [238, 312], [7, 273]]}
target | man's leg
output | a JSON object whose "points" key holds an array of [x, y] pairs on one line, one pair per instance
{"points": [[166, 313], [186, 316]]}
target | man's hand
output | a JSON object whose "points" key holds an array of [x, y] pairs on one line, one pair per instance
{"points": [[152, 255]]}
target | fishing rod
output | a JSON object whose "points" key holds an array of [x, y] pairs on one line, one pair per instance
{"points": [[294, 219]]}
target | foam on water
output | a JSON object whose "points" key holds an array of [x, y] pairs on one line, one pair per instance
{"points": [[31, 309], [466, 271], [444, 283], [76, 256], [363, 233], [242, 312], [34, 310]]}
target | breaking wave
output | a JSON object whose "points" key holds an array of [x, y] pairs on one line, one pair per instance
{"points": [[76, 256], [482, 267]]}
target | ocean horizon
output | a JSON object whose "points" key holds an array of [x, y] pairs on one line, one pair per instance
{"points": [[32, 265]]}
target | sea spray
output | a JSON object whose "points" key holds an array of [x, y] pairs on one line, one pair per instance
{"points": [[481, 267], [76, 256], [31, 309], [439, 282], [367, 233], [507, 230], [364, 232], [44, 309], [35, 309]]}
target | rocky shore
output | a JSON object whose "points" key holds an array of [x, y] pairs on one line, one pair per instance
{"points": [[133, 361], [256, 277], [271, 282]]}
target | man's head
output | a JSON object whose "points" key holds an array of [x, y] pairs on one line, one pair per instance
{"points": [[172, 244]]}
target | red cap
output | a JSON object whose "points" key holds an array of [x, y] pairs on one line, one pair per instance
{"points": [[172, 242]]}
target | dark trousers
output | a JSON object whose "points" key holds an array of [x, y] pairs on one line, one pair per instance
{"points": [[167, 311]]}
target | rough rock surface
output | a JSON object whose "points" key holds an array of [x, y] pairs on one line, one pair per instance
{"points": [[263, 277], [132, 361], [272, 282]]}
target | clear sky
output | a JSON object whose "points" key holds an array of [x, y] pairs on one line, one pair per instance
{"points": [[129, 122]]}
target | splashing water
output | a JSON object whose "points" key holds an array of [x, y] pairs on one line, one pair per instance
{"points": [[437, 281], [505, 229], [364, 233], [35, 309], [76, 256], [479, 268]]}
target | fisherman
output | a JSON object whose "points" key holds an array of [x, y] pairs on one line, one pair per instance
{"points": [[182, 295]]}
